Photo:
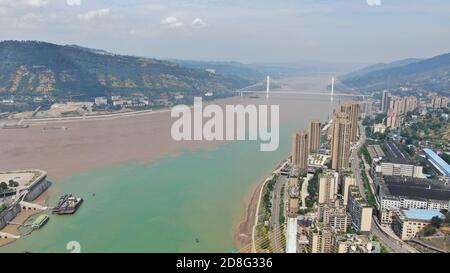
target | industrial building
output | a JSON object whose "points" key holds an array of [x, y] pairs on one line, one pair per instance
{"points": [[398, 167], [396, 193], [438, 162]]}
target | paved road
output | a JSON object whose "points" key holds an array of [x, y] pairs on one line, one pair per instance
{"points": [[389, 242], [354, 159], [392, 244], [275, 217], [276, 172]]}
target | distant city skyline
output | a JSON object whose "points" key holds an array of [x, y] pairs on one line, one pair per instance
{"points": [[332, 31]]}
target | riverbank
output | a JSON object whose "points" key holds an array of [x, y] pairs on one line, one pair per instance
{"points": [[244, 232]]}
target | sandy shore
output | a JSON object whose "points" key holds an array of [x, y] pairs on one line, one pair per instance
{"points": [[244, 230]]}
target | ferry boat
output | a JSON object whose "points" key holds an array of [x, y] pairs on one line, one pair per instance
{"points": [[40, 221]]}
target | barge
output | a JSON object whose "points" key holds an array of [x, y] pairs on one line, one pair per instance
{"points": [[15, 126], [67, 204]]}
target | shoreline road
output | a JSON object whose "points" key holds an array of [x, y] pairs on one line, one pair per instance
{"points": [[276, 172], [275, 216]]}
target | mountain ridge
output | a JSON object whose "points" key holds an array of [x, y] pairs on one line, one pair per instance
{"points": [[41, 68], [431, 74]]}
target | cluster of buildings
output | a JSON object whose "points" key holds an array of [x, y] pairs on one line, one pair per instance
{"points": [[396, 193], [342, 221], [123, 102], [438, 102], [407, 199], [342, 131], [304, 144], [396, 108]]}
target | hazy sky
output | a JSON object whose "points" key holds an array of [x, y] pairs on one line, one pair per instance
{"points": [[351, 31]]}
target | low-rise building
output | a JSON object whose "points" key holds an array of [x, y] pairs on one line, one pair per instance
{"points": [[352, 244], [408, 223], [101, 101], [379, 128], [398, 167]]}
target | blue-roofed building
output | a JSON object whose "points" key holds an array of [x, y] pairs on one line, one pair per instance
{"points": [[409, 222], [438, 162], [422, 214]]}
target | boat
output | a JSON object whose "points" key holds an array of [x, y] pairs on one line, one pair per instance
{"points": [[67, 204], [40, 221], [15, 126]]}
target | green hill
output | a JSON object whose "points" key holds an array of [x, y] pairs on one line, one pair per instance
{"points": [[39, 68], [430, 74]]}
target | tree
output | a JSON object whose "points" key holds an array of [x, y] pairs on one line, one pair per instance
{"points": [[446, 157], [13, 184], [429, 230], [3, 186], [2, 207], [436, 222]]}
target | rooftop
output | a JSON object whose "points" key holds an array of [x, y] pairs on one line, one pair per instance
{"points": [[415, 188], [438, 160], [40, 219], [422, 214], [394, 150], [398, 160]]}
